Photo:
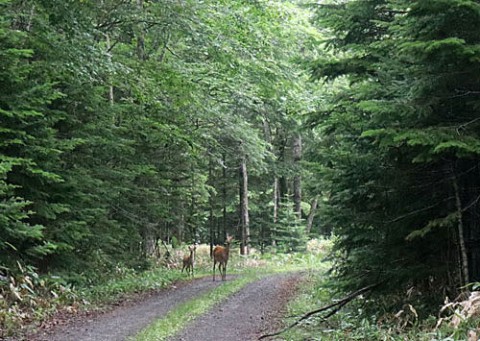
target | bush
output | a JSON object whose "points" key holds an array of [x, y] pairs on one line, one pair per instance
{"points": [[27, 298]]}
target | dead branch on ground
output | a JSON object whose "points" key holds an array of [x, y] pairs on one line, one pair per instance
{"points": [[337, 306]]}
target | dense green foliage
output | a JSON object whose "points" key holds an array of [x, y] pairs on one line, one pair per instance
{"points": [[126, 124], [123, 124], [399, 144]]}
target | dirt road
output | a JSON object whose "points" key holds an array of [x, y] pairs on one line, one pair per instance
{"points": [[251, 312]]}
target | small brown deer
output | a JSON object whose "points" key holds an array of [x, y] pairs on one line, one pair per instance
{"points": [[189, 261], [220, 256]]}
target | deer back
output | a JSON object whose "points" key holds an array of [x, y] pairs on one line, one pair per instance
{"points": [[220, 254]]}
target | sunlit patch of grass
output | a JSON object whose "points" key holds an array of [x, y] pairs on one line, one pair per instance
{"points": [[312, 259], [175, 320]]}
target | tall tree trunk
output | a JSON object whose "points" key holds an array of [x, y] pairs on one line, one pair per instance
{"points": [[141, 35], [212, 229], [111, 98], [276, 200], [282, 159], [311, 214], [297, 180], [267, 132], [178, 230], [461, 233], [245, 228], [150, 240], [211, 217], [193, 207], [224, 199]]}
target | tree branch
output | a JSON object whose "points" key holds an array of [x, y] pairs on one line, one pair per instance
{"points": [[338, 305]]}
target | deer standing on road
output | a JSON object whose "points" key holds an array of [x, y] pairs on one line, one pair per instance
{"points": [[189, 260], [220, 256]]}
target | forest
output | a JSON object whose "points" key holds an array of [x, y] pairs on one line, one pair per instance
{"points": [[133, 127]]}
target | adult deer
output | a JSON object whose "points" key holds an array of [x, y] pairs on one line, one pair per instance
{"points": [[220, 256], [188, 261]]}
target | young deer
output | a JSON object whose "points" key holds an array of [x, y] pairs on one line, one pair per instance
{"points": [[220, 256], [188, 261]]}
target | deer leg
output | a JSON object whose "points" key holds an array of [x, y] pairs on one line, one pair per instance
{"points": [[214, 264]]}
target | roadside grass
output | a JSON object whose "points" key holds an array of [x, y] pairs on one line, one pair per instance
{"points": [[29, 299], [460, 322], [130, 283]]}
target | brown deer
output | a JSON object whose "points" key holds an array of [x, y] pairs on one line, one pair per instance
{"points": [[220, 256], [189, 261]]}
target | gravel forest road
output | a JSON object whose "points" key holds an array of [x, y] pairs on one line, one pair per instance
{"points": [[256, 309]]}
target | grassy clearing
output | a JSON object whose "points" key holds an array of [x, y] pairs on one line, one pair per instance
{"points": [[270, 261], [175, 320]]}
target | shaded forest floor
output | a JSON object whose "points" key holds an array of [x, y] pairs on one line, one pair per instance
{"points": [[256, 309]]}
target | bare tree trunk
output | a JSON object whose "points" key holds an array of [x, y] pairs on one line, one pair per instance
{"points": [[179, 227], [245, 229], [311, 214], [276, 200], [276, 197], [193, 206], [212, 230], [30, 19], [165, 47], [141, 36], [297, 180], [283, 189], [461, 236], [224, 201], [111, 99], [211, 217], [150, 240]]}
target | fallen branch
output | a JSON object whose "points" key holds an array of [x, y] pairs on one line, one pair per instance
{"points": [[337, 305]]}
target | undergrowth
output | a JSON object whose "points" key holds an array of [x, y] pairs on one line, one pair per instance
{"points": [[27, 298], [454, 321]]}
